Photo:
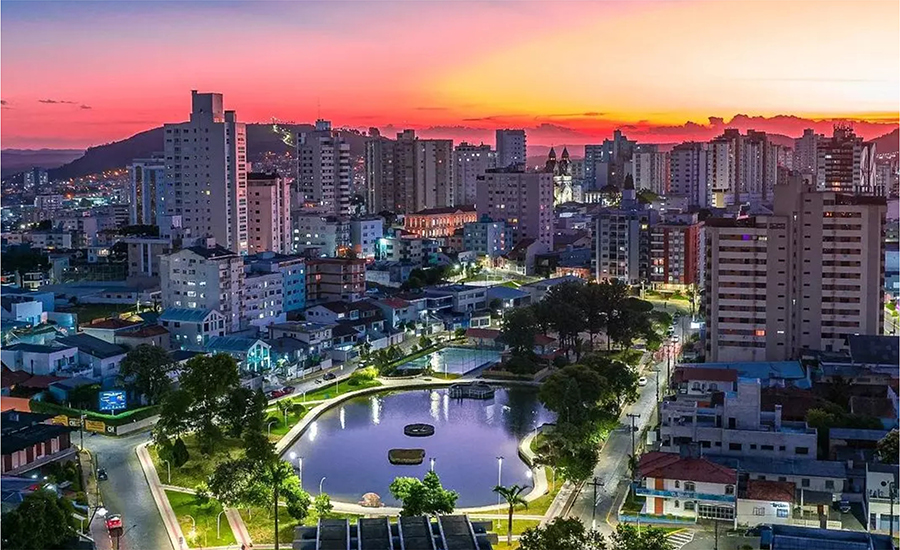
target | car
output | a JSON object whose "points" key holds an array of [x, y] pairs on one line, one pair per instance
{"points": [[642, 381], [113, 522], [101, 474], [288, 389], [329, 376], [675, 338]]}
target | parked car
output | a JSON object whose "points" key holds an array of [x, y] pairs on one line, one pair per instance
{"points": [[642, 381], [113, 522], [329, 376], [288, 390], [101, 474]]}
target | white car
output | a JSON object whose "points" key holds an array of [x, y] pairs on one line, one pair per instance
{"points": [[642, 381]]}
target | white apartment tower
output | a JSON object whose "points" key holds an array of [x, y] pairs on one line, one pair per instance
{"points": [[323, 170], [805, 156], [688, 172], [205, 277], [434, 174], [806, 277], [148, 188], [469, 162], [524, 200], [268, 213], [206, 173], [512, 148], [650, 168]]}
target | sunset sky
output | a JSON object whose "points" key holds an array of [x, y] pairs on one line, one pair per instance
{"points": [[76, 74]]}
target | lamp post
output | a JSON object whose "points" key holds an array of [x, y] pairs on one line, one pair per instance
{"points": [[299, 460], [892, 494], [269, 427], [168, 471], [219, 524], [321, 481], [432, 463], [499, 476], [99, 511], [596, 483], [193, 532], [633, 428]]}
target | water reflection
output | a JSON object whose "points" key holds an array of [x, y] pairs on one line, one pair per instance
{"points": [[470, 434]]}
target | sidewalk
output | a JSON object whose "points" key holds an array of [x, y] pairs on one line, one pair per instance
{"points": [[173, 528]]}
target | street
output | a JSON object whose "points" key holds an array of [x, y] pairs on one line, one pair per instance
{"points": [[612, 468], [126, 493]]}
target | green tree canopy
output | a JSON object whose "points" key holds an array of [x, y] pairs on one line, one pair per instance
{"points": [[519, 329], [572, 392], [43, 520], [888, 448], [562, 534], [145, 370], [425, 496]]}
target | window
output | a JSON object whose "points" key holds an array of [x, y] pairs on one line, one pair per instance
{"points": [[829, 484], [689, 486], [734, 446], [759, 511], [801, 450], [676, 504], [729, 489], [782, 512], [804, 482], [689, 505]]}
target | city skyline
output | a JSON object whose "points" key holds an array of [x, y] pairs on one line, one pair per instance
{"points": [[568, 72]]}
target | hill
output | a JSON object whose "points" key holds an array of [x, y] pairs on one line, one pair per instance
{"points": [[16, 160], [260, 139], [888, 143]]}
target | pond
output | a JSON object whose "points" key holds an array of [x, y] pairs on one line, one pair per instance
{"points": [[348, 445], [454, 360]]}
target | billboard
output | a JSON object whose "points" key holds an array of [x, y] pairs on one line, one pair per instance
{"points": [[112, 400]]}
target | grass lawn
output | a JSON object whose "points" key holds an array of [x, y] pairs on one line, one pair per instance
{"points": [[88, 312], [443, 376], [198, 467], [503, 546], [262, 526], [328, 390], [519, 525], [185, 505], [633, 504], [281, 428]]}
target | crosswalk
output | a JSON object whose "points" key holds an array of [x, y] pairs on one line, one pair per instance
{"points": [[680, 538]]}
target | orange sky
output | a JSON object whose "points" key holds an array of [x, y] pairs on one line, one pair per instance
{"points": [[110, 69]]}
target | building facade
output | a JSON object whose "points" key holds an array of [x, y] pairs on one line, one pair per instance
{"points": [[846, 164], [439, 222], [311, 230], [487, 237], [335, 279], [268, 213], [523, 200], [206, 173], [324, 173], [688, 172], [469, 162], [512, 148], [676, 251], [364, 234], [148, 189]]}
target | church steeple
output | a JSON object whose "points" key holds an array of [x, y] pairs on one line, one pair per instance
{"points": [[550, 165]]}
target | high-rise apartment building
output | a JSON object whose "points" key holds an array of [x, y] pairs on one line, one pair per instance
{"points": [[607, 164], [364, 234], [676, 251], [469, 162], [148, 189], [268, 213], [846, 164], [621, 240], [323, 171], [206, 277], [334, 280], [408, 174], [805, 155], [512, 148], [524, 200], [650, 168], [329, 235], [688, 172], [741, 168], [721, 171], [806, 277], [206, 173]]}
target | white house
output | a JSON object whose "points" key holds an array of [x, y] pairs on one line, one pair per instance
{"points": [[38, 359], [686, 486], [881, 489], [102, 357], [191, 329]]}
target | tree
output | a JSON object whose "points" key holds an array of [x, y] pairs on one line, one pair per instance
{"points": [[518, 330], [284, 407], [572, 392], [84, 397], [887, 447], [629, 537], [43, 520], [22, 259], [323, 505], [173, 416], [592, 304], [208, 380], [180, 454], [145, 369], [425, 496], [244, 409], [562, 534], [621, 380], [513, 497]]}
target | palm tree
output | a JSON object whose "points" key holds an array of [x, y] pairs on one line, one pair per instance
{"points": [[513, 496]]}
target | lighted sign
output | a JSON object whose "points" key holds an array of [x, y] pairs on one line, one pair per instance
{"points": [[112, 400]]}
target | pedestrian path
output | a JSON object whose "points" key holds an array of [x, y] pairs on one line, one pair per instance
{"points": [[680, 538], [173, 528]]}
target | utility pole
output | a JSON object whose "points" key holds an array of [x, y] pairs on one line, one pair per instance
{"points": [[595, 483], [892, 493], [633, 428], [716, 523]]}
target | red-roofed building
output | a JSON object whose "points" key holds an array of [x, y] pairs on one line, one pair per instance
{"points": [[700, 382], [485, 337], [686, 486], [766, 502]]}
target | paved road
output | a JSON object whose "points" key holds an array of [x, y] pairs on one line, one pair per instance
{"points": [[126, 493], [612, 468]]}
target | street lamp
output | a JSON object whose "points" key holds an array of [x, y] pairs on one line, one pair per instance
{"points": [[269, 427], [168, 471], [299, 460], [432, 463], [321, 481], [499, 476], [218, 524], [193, 532]]}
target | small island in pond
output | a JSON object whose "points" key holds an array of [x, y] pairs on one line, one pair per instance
{"points": [[408, 457], [418, 430]]}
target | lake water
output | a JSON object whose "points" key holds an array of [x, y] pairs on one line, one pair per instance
{"points": [[454, 360], [349, 443]]}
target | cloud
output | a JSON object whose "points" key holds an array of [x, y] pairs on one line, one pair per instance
{"points": [[3, 102], [430, 109], [56, 101], [86, 107]]}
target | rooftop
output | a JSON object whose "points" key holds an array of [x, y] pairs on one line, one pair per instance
{"points": [[30, 436], [801, 538], [854, 434], [92, 345], [763, 370], [145, 332], [483, 333], [878, 350], [393, 302], [212, 253], [702, 373], [445, 210], [33, 348], [16, 420], [879, 407], [113, 323], [506, 293], [776, 491], [673, 466], [231, 343]]}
